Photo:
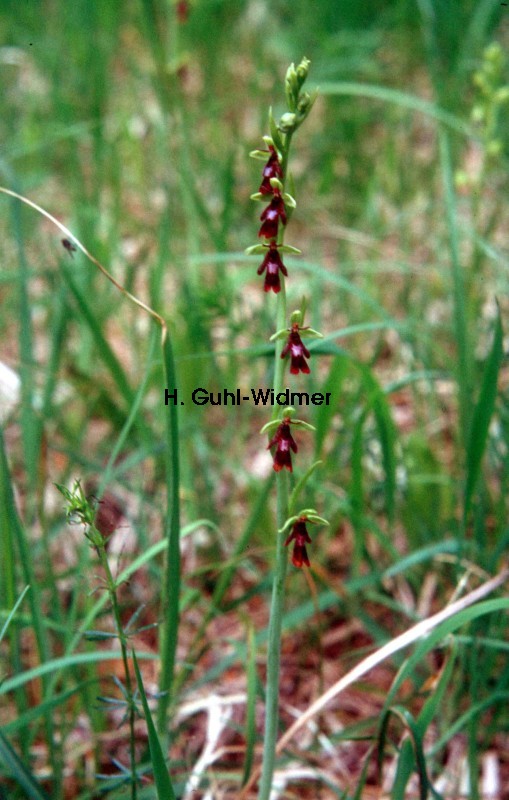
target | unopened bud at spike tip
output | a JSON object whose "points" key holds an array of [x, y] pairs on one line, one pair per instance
{"points": [[302, 70]]}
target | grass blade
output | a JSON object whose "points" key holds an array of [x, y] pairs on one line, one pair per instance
{"points": [[161, 776], [19, 772], [171, 580], [19, 538], [12, 613], [403, 99], [62, 663], [24, 720], [104, 350], [408, 757], [324, 414], [482, 415], [461, 331]]}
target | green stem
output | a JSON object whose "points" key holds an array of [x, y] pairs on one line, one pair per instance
{"points": [[281, 314], [274, 644], [279, 364], [278, 586], [112, 591]]}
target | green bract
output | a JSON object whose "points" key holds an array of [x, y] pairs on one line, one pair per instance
{"points": [[261, 155], [289, 200], [287, 248], [302, 424], [275, 423], [255, 250], [276, 136], [307, 514]]}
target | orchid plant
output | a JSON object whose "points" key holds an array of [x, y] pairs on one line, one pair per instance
{"points": [[288, 342]]}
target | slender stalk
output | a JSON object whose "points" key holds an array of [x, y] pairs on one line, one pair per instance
{"points": [[278, 586], [111, 585], [79, 508], [279, 364], [274, 644]]}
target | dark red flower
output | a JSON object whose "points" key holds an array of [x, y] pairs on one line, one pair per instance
{"points": [[182, 9], [272, 169], [298, 351], [284, 442], [271, 215], [300, 537], [272, 263]]}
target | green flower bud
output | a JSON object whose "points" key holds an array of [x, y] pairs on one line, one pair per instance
{"points": [[288, 122], [291, 77], [302, 71], [291, 87], [304, 104]]}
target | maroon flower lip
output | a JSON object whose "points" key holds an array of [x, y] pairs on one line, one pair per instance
{"points": [[272, 169], [271, 215], [298, 351], [272, 264], [300, 537], [285, 443]]}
